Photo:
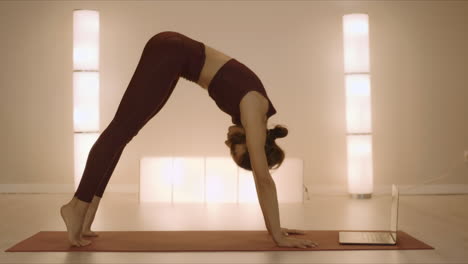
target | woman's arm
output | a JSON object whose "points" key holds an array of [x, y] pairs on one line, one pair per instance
{"points": [[267, 196], [255, 132]]}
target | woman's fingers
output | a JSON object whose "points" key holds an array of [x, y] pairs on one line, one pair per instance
{"points": [[287, 231], [296, 231], [295, 242], [304, 243]]}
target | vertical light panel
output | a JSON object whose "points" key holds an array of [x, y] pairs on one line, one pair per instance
{"points": [[86, 101], [83, 142], [86, 40], [358, 104], [85, 86], [360, 170], [221, 180], [356, 43]]}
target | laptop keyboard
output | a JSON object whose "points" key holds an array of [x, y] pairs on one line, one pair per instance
{"points": [[374, 236]]}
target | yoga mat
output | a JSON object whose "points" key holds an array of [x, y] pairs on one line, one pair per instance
{"points": [[182, 241]]}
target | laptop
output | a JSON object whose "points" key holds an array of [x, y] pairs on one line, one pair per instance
{"points": [[376, 238]]}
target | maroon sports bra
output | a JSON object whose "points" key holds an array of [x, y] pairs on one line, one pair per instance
{"points": [[229, 85]]}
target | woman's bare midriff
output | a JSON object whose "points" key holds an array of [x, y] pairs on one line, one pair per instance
{"points": [[214, 60]]}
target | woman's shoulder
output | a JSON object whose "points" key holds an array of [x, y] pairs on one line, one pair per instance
{"points": [[254, 103]]}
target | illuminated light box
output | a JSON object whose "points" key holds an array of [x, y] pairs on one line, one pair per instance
{"points": [[356, 43], [156, 179], [247, 190], [85, 40], [289, 181], [221, 180], [358, 103], [86, 101], [212, 180], [188, 180], [360, 164], [83, 142], [85, 87]]}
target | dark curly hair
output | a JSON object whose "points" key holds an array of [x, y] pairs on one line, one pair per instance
{"points": [[275, 155]]}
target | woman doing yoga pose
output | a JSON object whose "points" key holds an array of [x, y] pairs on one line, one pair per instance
{"points": [[235, 89]]}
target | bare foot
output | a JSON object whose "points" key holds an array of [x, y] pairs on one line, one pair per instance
{"points": [[88, 221], [73, 219], [89, 218], [89, 233]]}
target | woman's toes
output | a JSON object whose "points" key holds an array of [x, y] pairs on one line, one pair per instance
{"points": [[89, 233], [74, 224], [75, 243], [84, 242]]}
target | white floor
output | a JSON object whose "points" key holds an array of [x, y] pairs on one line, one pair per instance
{"points": [[440, 221]]}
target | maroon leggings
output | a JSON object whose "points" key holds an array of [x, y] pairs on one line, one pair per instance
{"points": [[166, 57]]}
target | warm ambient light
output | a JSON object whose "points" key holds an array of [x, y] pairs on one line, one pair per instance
{"points": [[358, 104], [212, 180], [85, 86]]}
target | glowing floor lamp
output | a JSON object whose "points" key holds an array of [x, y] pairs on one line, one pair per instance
{"points": [[85, 86], [358, 105]]}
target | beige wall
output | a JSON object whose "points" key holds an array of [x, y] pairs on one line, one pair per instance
{"points": [[419, 67]]}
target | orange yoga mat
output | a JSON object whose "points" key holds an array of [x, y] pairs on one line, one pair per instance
{"points": [[184, 241]]}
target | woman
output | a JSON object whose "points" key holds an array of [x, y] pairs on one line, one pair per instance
{"points": [[236, 90]]}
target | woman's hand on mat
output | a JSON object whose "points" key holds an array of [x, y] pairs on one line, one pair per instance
{"points": [[294, 242], [285, 241], [287, 231]]}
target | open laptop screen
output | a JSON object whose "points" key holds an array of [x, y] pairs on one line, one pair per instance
{"points": [[394, 212]]}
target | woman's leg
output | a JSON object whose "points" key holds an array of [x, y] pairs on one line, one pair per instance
{"points": [[92, 209], [105, 180], [93, 206], [91, 212], [151, 85]]}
